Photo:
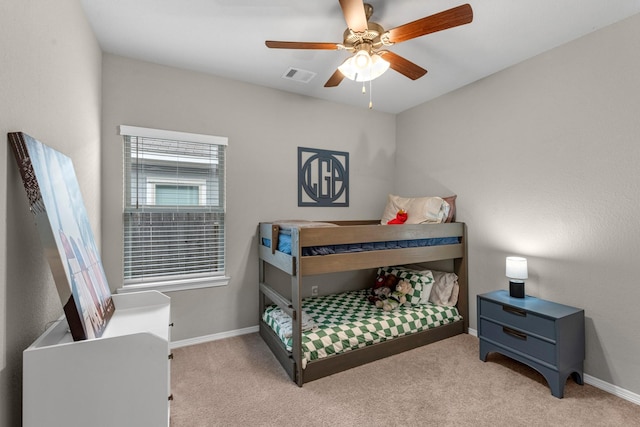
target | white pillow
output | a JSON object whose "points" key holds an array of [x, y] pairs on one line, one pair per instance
{"points": [[445, 289], [419, 209]]}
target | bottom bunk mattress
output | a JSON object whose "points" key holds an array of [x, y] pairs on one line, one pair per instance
{"points": [[334, 324]]}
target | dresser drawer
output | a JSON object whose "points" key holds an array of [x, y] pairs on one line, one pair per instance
{"points": [[519, 340], [518, 318]]}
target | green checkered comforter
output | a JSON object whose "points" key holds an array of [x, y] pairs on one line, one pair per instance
{"points": [[347, 321]]}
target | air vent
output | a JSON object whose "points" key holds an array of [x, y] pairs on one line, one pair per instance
{"points": [[298, 75]]}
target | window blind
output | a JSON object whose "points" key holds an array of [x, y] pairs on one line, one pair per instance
{"points": [[174, 206]]}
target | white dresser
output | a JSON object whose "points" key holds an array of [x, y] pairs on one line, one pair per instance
{"points": [[119, 379]]}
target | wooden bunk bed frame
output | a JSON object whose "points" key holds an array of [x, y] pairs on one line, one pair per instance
{"points": [[298, 266]]}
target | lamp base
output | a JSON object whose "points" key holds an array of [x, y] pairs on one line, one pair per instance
{"points": [[516, 289]]}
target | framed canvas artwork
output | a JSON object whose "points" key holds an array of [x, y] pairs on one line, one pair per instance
{"points": [[63, 225]]}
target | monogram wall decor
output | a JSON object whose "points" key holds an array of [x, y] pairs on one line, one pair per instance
{"points": [[323, 177]]}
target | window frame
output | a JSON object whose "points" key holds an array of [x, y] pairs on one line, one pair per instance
{"points": [[175, 283], [152, 183]]}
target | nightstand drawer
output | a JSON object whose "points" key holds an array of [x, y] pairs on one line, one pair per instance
{"points": [[518, 340], [518, 318]]}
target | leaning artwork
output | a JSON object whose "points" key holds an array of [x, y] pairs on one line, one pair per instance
{"points": [[63, 225]]}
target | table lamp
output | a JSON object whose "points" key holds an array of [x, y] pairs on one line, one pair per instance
{"points": [[516, 271]]}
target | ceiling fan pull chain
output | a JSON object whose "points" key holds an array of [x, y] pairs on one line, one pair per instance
{"points": [[370, 94], [363, 88]]}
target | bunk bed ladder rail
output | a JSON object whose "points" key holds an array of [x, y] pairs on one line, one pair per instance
{"points": [[296, 300], [290, 265]]}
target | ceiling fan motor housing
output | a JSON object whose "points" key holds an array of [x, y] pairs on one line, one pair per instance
{"points": [[370, 40]]}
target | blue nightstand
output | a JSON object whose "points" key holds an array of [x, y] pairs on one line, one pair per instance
{"points": [[546, 336]]}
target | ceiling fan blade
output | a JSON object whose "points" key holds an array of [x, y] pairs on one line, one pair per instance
{"points": [[335, 79], [430, 24], [301, 45], [354, 15], [403, 66]]}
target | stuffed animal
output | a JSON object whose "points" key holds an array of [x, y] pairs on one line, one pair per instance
{"points": [[401, 217], [383, 287], [396, 298]]}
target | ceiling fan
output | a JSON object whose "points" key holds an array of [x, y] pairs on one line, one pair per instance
{"points": [[368, 40]]}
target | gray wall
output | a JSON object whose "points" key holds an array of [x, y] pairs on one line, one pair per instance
{"points": [[49, 88], [544, 158], [264, 128]]}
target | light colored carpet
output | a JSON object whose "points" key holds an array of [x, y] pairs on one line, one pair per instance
{"points": [[238, 382]]}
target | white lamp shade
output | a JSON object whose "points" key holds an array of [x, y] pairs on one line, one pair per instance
{"points": [[372, 69], [516, 268]]}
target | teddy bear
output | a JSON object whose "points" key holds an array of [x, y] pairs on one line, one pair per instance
{"points": [[383, 287], [396, 298]]}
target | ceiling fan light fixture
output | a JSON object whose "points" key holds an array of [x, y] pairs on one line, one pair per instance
{"points": [[375, 68]]}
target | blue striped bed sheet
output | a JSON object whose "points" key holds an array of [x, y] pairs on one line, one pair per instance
{"points": [[284, 245]]}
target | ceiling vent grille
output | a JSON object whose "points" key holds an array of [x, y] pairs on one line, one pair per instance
{"points": [[298, 75]]}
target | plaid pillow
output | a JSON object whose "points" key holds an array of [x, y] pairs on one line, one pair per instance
{"points": [[421, 282]]}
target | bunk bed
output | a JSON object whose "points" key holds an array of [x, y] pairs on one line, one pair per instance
{"points": [[339, 246]]}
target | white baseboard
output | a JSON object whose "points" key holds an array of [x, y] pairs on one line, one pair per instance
{"points": [[598, 383], [613, 389], [213, 337]]}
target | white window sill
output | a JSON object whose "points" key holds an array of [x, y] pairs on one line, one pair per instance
{"points": [[176, 285]]}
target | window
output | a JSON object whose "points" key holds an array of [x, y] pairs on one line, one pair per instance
{"points": [[174, 209]]}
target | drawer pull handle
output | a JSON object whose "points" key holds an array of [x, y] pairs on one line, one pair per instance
{"points": [[513, 310], [514, 333]]}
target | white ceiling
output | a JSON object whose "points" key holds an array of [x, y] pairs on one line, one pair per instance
{"points": [[226, 38]]}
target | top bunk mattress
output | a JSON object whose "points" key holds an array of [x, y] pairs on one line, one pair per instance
{"points": [[284, 241]]}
